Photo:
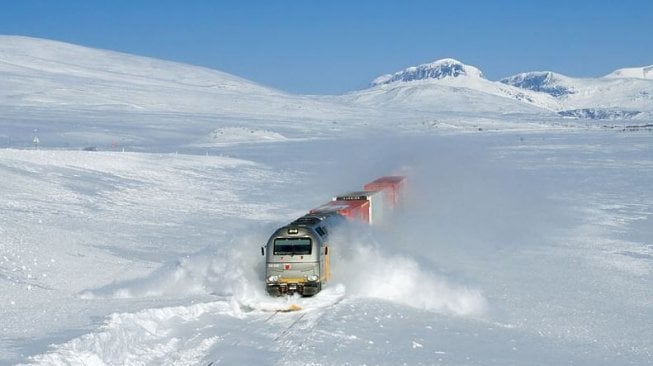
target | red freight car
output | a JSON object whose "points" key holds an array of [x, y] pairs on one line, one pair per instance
{"points": [[377, 203], [392, 185], [358, 210]]}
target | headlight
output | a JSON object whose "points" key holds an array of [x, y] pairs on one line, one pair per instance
{"points": [[273, 278], [313, 278]]}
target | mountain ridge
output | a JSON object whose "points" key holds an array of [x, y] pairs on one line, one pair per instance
{"points": [[623, 94], [52, 74], [618, 95], [41, 73]]}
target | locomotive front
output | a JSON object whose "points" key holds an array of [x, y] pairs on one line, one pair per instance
{"points": [[296, 261]]}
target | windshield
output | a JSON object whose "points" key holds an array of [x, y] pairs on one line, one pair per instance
{"points": [[292, 246]]}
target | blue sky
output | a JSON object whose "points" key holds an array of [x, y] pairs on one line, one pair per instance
{"points": [[334, 46]]}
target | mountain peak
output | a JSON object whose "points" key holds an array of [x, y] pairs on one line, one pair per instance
{"points": [[645, 72], [541, 81], [440, 69]]}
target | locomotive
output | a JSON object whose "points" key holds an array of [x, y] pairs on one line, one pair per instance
{"points": [[297, 254]]}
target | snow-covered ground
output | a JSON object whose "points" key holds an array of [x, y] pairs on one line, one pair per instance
{"points": [[512, 248]]}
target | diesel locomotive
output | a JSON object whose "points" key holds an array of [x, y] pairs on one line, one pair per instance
{"points": [[297, 254]]}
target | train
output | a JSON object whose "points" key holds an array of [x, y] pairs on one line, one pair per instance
{"points": [[297, 257]]}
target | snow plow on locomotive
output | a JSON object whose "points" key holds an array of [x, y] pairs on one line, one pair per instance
{"points": [[297, 255]]}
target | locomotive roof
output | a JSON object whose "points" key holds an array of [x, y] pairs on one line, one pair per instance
{"points": [[313, 219]]}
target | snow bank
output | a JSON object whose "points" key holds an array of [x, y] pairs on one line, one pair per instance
{"points": [[151, 336], [225, 269], [367, 269]]}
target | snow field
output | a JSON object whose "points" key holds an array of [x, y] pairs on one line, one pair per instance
{"points": [[99, 218], [509, 249]]}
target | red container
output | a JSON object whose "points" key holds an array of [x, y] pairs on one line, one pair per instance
{"points": [[378, 203], [393, 186], [358, 210]]}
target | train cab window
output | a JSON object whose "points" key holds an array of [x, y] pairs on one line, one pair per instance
{"points": [[292, 246], [320, 231]]}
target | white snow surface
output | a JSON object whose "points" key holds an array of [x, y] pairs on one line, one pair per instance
{"points": [[510, 248], [523, 238]]}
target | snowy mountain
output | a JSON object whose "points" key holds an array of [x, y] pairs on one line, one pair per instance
{"points": [[548, 82], [449, 85], [445, 68], [623, 94], [43, 73], [77, 95]]}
